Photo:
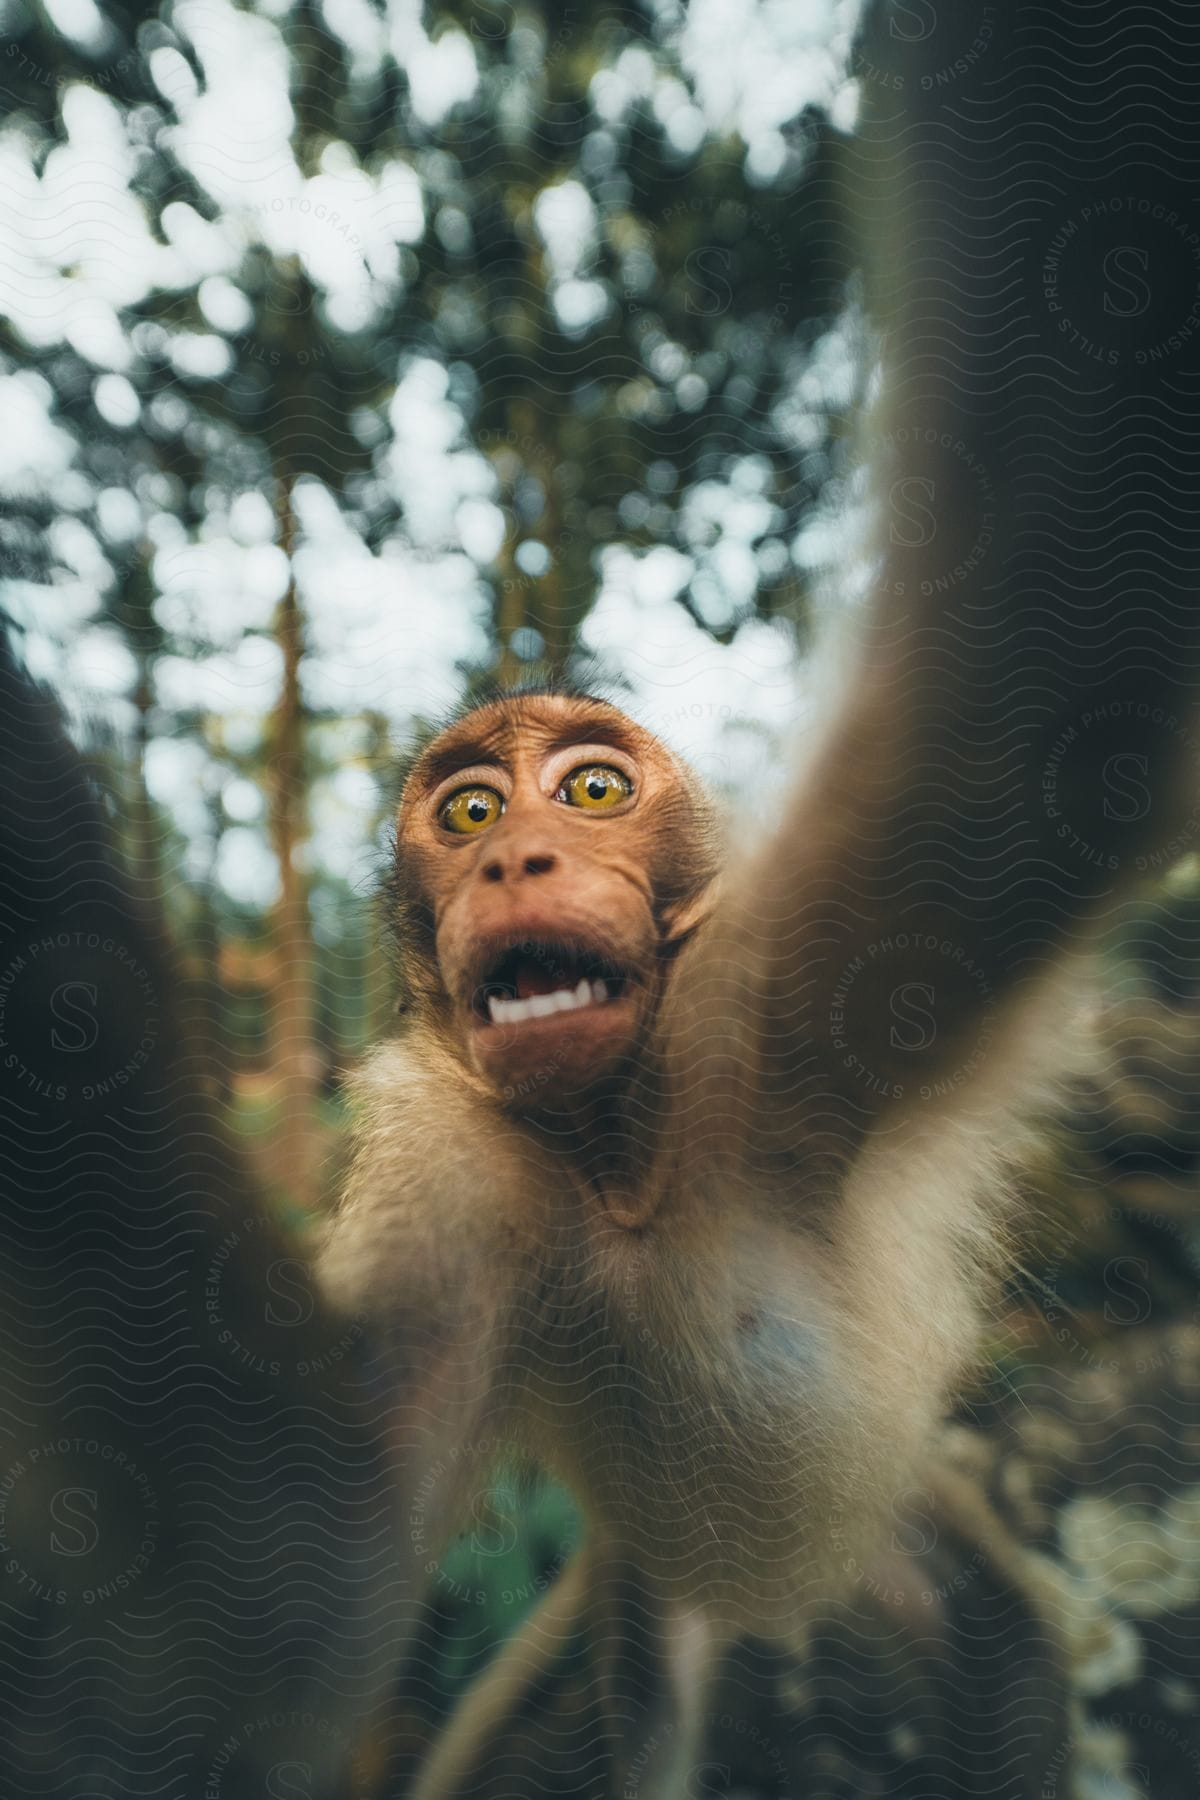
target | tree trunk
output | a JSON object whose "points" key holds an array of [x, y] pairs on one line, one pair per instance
{"points": [[293, 1056]]}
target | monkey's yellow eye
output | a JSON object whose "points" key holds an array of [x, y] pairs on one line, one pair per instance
{"points": [[471, 809], [595, 787]]}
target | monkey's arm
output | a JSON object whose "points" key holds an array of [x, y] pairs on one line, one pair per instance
{"points": [[1018, 741], [429, 1275]]}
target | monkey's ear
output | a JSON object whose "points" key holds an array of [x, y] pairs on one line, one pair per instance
{"points": [[682, 921]]}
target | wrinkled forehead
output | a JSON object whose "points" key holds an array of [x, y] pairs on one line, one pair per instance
{"points": [[503, 730]]}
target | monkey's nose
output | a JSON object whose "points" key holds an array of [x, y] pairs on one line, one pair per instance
{"points": [[514, 864]]}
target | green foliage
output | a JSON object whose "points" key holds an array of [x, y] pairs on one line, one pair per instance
{"points": [[524, 1532]]}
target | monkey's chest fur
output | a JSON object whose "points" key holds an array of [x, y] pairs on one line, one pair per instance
{"points": [[730, 1394], [701, 1404]]}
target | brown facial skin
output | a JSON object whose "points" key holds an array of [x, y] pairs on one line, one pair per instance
{"points": [[591, 894]]}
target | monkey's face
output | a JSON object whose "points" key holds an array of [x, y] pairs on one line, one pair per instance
{"points": [[547, 847]]}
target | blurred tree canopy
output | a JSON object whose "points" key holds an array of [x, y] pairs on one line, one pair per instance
{"points": [[620, 304]]}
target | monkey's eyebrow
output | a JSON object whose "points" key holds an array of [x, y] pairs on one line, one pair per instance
{"points": [[598, 730], [436, 764]]}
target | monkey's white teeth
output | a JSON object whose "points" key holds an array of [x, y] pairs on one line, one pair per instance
{"points": [[502, 1011]]}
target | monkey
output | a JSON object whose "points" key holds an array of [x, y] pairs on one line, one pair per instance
{"points": [[657, 1223], [688, 1178]]}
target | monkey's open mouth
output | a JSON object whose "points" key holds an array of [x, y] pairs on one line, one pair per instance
{"points": [[533, 980]]}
